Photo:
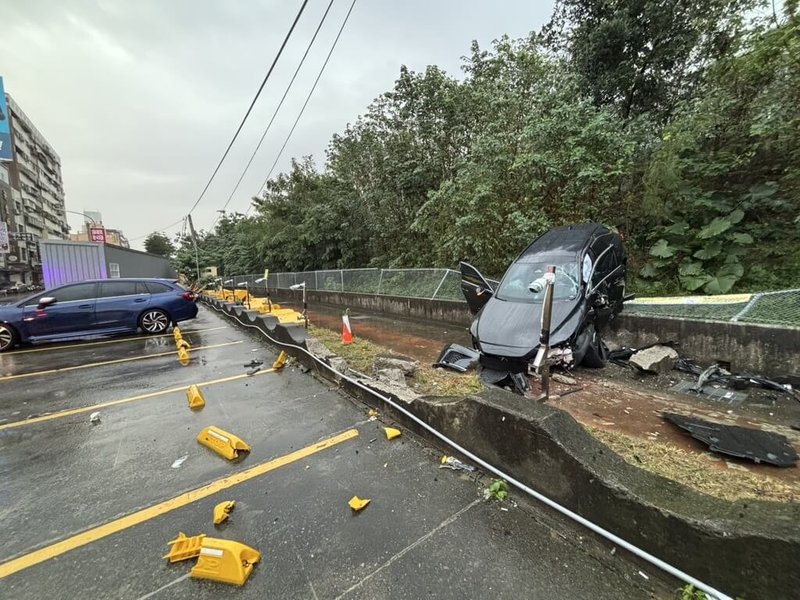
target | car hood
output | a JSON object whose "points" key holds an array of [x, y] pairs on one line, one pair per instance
{"points": [[512, 329]]}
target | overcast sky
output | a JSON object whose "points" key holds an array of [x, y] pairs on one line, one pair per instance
{"points": [[141, 98]]}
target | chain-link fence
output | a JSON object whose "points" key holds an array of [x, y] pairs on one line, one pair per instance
{"points": [[780, 308]]}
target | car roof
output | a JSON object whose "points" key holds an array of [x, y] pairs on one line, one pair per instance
{"points": [[160, 279], [567, 239]]}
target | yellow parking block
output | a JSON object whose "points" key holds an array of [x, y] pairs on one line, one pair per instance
{"points": [[223, 443], [225, 561]]}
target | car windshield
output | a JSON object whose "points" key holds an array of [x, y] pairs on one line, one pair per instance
{"points": [[515, 284]]}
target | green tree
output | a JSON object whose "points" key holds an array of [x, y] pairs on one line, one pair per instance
{"points": [[158, 243]]}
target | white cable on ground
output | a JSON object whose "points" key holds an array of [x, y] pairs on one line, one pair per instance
{"points": [[643, 554]]}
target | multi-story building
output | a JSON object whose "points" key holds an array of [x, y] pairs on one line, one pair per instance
{"points": [[31, 198], [93, 220]]}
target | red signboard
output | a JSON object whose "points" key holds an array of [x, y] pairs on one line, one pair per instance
{"points": [[97, 234]]}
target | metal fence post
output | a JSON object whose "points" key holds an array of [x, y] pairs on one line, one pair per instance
{"points": [[440, 284]]}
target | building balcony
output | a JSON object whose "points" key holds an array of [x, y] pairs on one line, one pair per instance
{"points": [[34, 221]]}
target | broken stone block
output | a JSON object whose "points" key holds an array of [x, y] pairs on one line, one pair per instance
{"points": [[656, 359], [393, 376], [408, 367], [563, 379], [318, 349], [338, 363]]}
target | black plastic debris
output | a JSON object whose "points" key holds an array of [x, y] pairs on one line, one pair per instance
{"points": [[254, 363], [742, 442], [716, 374], [517, 382], [715, 393], [457, 357]]}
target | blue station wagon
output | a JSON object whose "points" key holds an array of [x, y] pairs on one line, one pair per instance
{"points": [[92, 308]]}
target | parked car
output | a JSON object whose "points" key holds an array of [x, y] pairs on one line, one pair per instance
{"points": [[91, 308], [589, 289]]}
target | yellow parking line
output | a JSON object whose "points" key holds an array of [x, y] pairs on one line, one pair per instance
{"points": [[76, 411], [92, 535], [112, 362], [120, 341]]}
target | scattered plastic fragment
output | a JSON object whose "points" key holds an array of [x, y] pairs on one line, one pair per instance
{"points": [[372, 412], [184, 547], [450, 462], [94, 417], [253, 363], [195, 397], [357, 503], [643, 575], [253, 371], [222, 442], [280, 361], [392, 433], [225, 561], [179, 461], [222, 510]]}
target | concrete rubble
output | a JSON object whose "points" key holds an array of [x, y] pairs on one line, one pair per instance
{"points": [[656, 359], [408, 367]]}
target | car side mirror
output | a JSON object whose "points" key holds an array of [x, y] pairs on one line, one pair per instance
{"points": [[46, 301]]}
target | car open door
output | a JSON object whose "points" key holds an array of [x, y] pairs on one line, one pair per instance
{"points": [[475, 287]]}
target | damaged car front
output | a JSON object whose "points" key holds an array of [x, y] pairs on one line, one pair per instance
{"points": [[588, 291]]}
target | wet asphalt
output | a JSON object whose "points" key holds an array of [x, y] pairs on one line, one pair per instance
{"points": [[426, 533]]}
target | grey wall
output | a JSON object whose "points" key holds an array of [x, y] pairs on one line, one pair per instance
{"points": [[65, 262], [133, 263]]}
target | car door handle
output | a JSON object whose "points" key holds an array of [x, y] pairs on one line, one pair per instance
{"points": [[85, 306], [140, 300]]}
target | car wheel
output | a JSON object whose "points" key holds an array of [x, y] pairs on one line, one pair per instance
{"points": [[154, 321], [8, 337], [596, 354]]}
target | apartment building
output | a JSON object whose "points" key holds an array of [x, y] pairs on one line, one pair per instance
{"points": [[31, 198]]}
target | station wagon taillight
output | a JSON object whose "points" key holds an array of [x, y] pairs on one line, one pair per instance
{"points": [[188, 296]]}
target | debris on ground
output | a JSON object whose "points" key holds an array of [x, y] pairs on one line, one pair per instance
{"points": [[184, 547], [253, 363], [741, 442], [253, 371], [280, 362], [392, 433], [225, 561], [655, 359], [337, 363], [450, 462], [372, 413], [223, 510], [223, 443], [179, 461], [94, 418], [393, 376], [357, 503], [715, 374], [458, 358], [559, 378], [408, 367]]}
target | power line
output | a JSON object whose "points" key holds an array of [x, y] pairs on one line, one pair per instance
{"points": [[275, 114], [250, 108], [246, 115], [308, 98], [162, 230]]}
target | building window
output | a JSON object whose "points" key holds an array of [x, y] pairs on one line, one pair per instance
{"points": [[23, 254], [113, 269]]}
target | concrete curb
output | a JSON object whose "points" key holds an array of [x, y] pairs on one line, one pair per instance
{"points": [[745, 548]]}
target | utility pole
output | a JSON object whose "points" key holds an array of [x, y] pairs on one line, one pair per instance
{"points": [[194, 240]]}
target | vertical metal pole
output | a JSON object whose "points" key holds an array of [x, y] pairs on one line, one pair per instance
{"points": [[440, 284], [305, 308], [541, 362], [341, 274], [380, 282]]}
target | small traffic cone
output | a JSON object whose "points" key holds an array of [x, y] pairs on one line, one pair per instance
{"points": [[347, 332]]}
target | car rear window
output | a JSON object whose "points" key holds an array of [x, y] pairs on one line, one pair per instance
{"points": [[157, 288]]}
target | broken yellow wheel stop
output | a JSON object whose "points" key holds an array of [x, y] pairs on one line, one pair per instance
{"points": [[184, 547], [357, 503], [225, 561], [223, 443], [222, 510], [392, 433]]}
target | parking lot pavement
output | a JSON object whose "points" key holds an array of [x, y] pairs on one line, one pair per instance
{"points": [[88, 509]]}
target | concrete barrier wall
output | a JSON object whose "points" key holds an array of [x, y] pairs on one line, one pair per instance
{"points": [[760, 349]]}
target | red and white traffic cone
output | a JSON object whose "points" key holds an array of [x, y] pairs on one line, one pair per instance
{"points": [[347, 332]]}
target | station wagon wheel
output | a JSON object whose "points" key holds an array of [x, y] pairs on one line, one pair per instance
{"points": [[154, 321], [8, 337]]}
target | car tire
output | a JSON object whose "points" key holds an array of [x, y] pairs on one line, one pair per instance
{"points": [[154, 321], [596, 355], [8, 337]]}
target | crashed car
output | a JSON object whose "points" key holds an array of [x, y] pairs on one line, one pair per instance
{"points": [[588, 291]]}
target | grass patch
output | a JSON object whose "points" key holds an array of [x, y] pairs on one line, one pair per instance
{"points": [[361, 355], [696, 471]]}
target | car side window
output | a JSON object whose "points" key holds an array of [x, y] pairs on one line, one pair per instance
{"points": [[157, 288], [71, 293], [112, 289], [141, 288]]}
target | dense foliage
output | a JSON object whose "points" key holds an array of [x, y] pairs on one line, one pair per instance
{"points": [[676, 123]]}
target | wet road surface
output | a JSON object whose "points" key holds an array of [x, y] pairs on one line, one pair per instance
{"points": [[87, 509]]}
